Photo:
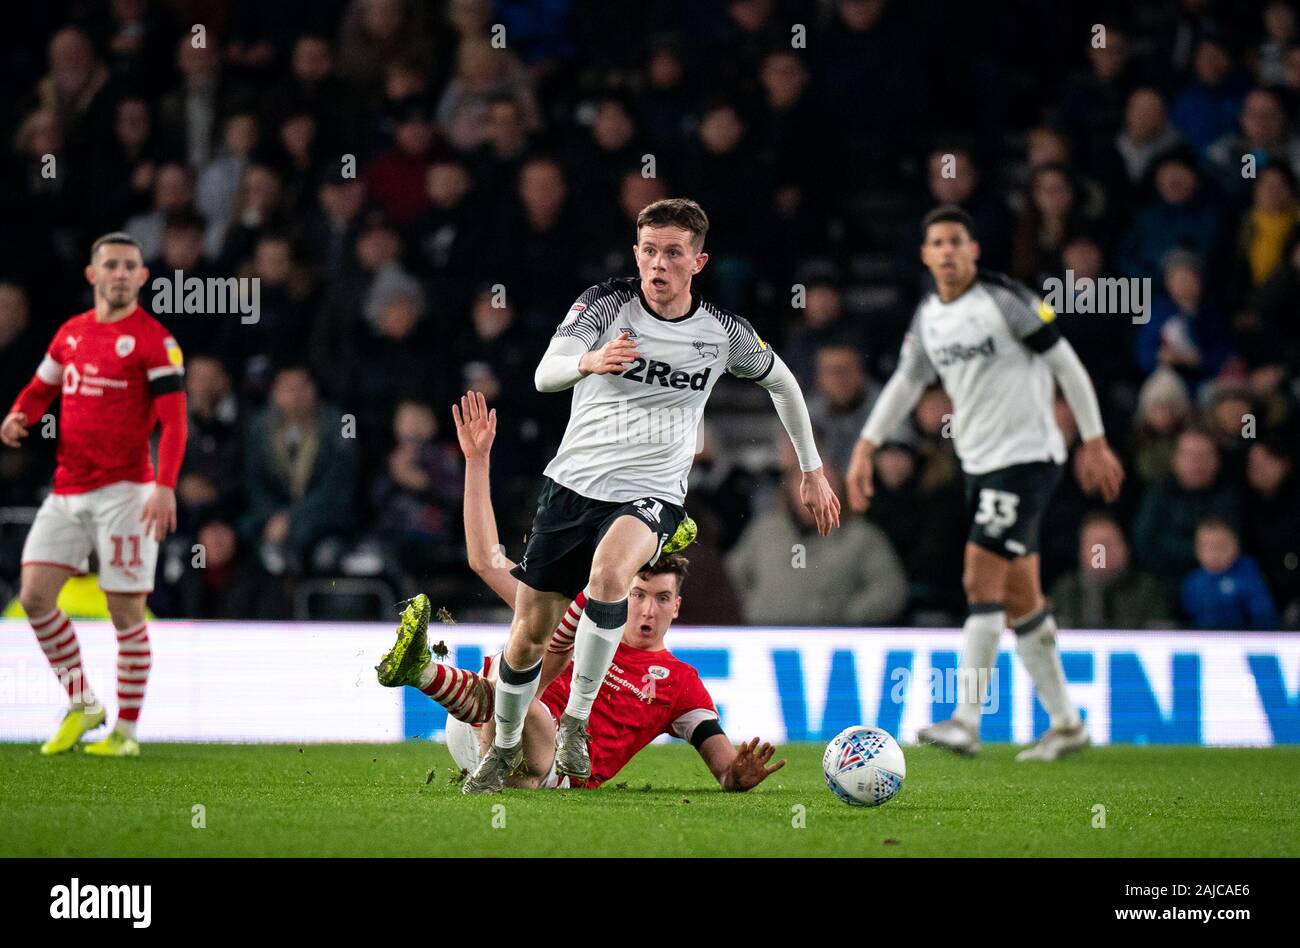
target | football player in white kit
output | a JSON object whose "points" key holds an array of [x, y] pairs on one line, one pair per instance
{"points": [[642, 356], [999, 355]]}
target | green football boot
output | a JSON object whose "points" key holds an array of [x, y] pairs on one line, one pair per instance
{"points": [[401, 664]]}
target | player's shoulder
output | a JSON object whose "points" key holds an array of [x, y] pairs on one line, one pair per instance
{"points": [[75, 322], [672, 665], [152, 324], [616, 290], [1008, 293], [732, 323]]}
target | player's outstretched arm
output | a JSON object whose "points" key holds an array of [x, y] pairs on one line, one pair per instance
{"points": [[738, 769], [814, 491], [1102, 473], [476, 428]]}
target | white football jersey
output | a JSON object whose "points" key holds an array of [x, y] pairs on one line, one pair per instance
{"points": [[984, 347], [633, 435]]}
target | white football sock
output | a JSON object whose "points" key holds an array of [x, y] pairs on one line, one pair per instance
{"points": [[599, 631], [983, 629], [125, 728], [1036, 644], [515, 692]]}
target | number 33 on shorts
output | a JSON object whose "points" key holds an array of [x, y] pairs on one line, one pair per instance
{"points": [[997, 510]]}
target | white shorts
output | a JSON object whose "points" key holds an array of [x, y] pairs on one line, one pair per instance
{"points": [[107, 520], [463, 740]]}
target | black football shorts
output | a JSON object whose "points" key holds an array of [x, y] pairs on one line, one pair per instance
{"points": [[567, 528], [1007, 506]]}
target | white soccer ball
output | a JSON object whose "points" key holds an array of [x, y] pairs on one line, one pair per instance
{"points": [[864, 766]]}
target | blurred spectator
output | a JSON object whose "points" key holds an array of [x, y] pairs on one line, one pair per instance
{"points": [[1227, 591], [377, 32], [1208, 107], [1147, 133], [1186, 332], [536, 246], [1162, 410], [417, 498], [483, 75], [926, 521], [787, 575], [173, 193], [231, 584], [300, 474], [396, 179], [820, 323], [192, 116], [1180, 215], [331, 226], [123, 167], [285, 300], [721, 173], [23, 474], [218, 185], [182, 252], [1049, 217], [840, 402], [1279, 20], [954, 177], [1164, 531], [448, 239], [1268, 228], [1263, 137], [1231, 418], [664, 104], [1105, 591], [76, 88], [1273, 520], [213, 451], [314, 88]]}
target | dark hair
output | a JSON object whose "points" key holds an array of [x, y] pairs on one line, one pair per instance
{"points": [[673, 563], [120, 237], [676, 212], [1215, 522], [947, 214], [1100, 516]]}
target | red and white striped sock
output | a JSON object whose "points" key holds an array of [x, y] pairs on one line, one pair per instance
{"points": [[562, 640], [467, 696], [134, 659], [58, 640]]}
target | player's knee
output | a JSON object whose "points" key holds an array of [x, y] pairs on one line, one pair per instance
{"points": [[125, 612], [608, 582], [36, 602], [978, 587]]}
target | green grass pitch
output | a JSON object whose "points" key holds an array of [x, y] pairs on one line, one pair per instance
{"points": [[373, 800]]}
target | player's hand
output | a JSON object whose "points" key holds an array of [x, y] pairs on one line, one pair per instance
{"points": [[614, 356], [816, 494], [476, 427], [1102, 473], [159, 514], [860, 480], [749, 768], [14, 429]]}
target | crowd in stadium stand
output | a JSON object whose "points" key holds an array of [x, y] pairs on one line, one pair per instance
{"points": [[501, 153]]}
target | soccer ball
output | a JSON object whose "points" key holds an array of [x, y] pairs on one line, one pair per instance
{"points": [[864, 766]]}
